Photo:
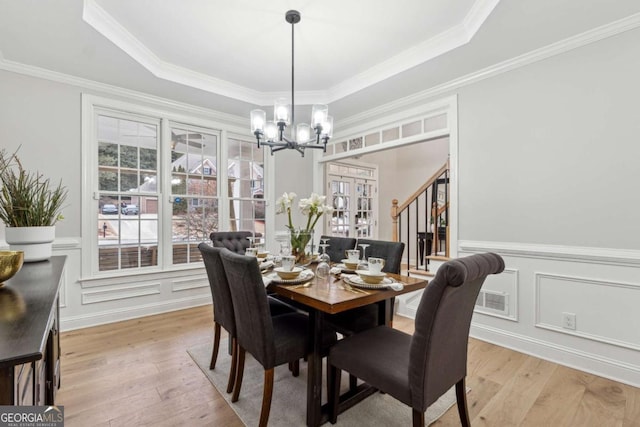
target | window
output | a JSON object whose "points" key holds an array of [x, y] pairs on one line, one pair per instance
{"points": [[194, 192], [246, 186], [155, 187], [128, 192]]}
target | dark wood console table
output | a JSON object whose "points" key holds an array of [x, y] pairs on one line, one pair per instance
{"points": [[30, 335]]}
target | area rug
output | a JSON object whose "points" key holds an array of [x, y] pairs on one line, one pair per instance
{"points": [[288, 407]]}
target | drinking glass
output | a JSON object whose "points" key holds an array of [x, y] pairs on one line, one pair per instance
{"points": [[363, 264]]}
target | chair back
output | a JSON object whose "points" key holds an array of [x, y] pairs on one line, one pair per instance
{"points": [[438, 354], [220, 293], [254, 327], [235, 241], [338, 246], [390, 251]]}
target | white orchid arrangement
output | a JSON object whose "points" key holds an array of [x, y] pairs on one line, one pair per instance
{"points": [[313, 207]]}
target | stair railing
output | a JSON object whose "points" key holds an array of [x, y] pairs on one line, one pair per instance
{"points": [[423, 217]]}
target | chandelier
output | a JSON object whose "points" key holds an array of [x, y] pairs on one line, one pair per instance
{"points": [[272, 133]]}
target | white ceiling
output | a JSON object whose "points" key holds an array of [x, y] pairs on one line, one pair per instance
{"points": [[232, 55], [243, 48]]}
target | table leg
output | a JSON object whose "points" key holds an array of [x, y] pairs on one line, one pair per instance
{"points": [[385, 312], [314, 365]]}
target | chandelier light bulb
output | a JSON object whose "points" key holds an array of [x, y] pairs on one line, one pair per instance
{"points": [[303, 132], [271, 131], [258, 118], [319, 114], [281, 111], [327, 127]]}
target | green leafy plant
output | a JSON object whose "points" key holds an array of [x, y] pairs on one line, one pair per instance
{"points": [[27, 199]]}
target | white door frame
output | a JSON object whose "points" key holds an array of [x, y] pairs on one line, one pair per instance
{"points": [[391, 126]]}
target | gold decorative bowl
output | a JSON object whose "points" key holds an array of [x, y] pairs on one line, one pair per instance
{"points": [[10, 264]]}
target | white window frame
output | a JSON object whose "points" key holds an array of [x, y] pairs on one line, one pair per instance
{"points": [[91, 106]]}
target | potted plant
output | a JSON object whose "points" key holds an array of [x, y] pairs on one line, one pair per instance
{"points": [[29, 207]]}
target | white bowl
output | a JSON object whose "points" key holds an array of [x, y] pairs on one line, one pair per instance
{"points": [[288, 274], [351, 265], [369, 277]]}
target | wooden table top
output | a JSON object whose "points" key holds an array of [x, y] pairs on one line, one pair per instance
{"points": [[333, 299]]}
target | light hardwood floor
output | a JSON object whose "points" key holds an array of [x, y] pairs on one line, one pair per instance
{"points": [[138, 373]]}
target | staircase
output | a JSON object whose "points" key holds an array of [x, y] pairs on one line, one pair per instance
{"points": [[422, 223]]}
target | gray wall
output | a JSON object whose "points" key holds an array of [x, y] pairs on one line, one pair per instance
{"points": [[549, 153], [43, 119]]}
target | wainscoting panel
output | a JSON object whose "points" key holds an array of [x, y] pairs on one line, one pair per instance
{"points": [[195, 282], [120, 292], [90, 302], [602, 305], [575, 306]]}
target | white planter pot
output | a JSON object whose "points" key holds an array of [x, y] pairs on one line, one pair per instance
{"points": [[35, 242]]}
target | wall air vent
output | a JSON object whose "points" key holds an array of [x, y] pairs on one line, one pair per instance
{"points": [[493, 302]]}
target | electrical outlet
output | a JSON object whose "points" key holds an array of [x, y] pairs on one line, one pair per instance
{"points": [[569, 320]]}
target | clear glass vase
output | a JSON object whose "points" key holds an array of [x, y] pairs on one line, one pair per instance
{"points": [[301, 245]]}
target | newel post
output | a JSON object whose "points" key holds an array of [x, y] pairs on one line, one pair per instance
{"points": [[394, 220]]}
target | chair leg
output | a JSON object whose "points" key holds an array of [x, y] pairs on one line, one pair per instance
{"points": [[333, 392], [295, 368], [461, 397], [216, 346], [234, 365], [418, 418], [266, 397], [353, 382], [239, 374]]}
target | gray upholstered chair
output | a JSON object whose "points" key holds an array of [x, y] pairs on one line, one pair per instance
{"points": [[223, 313], [338, 246], [390, 251], [366, 317], [235, 241], [272, 341], [417, 369]]}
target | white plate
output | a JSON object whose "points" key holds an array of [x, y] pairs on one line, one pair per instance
{"points": [[305, 275], [387, 282]]}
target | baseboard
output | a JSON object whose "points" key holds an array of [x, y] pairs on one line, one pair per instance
{"points": [[70, 323], [572, 358]]}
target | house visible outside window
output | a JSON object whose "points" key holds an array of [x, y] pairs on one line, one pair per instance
{"points": [[246, 186], [152, 192], [194, 192]]}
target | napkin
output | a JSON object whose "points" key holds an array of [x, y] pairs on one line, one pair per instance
{"points": [[266, 280], [266, 264]]}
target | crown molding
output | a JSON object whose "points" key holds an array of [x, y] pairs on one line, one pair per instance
{"points": [[591, 36], [442, 43], [42, 73], [110, 28]]}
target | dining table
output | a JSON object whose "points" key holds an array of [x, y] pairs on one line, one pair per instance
{"points": [[321, 298]]}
